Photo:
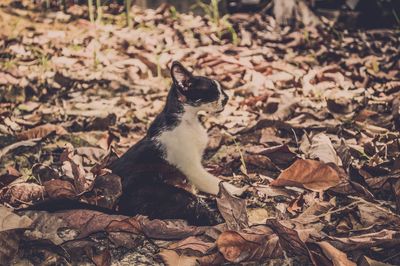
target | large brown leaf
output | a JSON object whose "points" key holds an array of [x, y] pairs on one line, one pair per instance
{"points": [[233, 209], [256, 243], [87, 222], [310, 174]]}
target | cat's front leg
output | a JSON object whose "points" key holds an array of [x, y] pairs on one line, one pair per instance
{"points": [[208, 183]]}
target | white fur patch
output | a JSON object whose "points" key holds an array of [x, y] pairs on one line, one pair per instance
{"points": [[220, 97], [184, 146], [218, 86]]}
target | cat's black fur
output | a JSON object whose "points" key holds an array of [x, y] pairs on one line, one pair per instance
{"points": [[143, 167]]}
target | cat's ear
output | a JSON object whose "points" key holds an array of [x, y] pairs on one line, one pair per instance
{"points": [[180, 75]]}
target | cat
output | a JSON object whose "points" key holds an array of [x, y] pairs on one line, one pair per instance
{"points": [[173, 146], [176, 136]]}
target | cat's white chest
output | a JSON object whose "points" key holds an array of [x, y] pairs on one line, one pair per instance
{"points": [[186, 141], [184, 145]]}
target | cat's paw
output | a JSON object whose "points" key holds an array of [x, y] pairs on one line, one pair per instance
{"points": [[236, 191]]}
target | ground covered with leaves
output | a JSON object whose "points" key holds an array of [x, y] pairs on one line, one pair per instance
{"points": [[312, 126]]}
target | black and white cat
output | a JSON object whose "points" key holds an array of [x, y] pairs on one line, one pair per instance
{"points": [[174, 143], [176, 136]]}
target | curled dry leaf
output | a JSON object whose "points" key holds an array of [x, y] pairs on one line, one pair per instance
{"points": [[310, 174], [280, 155], [233, 209], [321, 148]]}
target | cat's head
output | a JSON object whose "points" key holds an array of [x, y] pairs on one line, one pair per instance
{"points": [[197, 91]]}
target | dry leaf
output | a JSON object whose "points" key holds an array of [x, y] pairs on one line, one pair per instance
{"points": [[337, 257], [58, 188], [257, 243], [42, 131], [10, 220], [310, 174], [233, 209]]}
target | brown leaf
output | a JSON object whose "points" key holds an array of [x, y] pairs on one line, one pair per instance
{"points": [[11, 175], [260, 161], [280, 155], [16, 194], [256, 243], [58, 188], [157, 229], [321, 148], [372, 214], [382, 238], [310, 174], [337, 257], [23, 143], [296, 205], [10, 220], [192, 243], [41, 132], [258, 216], [288, 238], [73, 169], [233, 209]]}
